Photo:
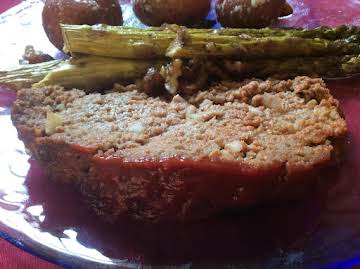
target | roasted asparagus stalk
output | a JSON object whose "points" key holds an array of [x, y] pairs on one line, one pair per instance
{"points": [[88, 73], [96, 73], [132, 43], [327, 67], [261, 48], [330, 33], [329, 52], [26, 75]]}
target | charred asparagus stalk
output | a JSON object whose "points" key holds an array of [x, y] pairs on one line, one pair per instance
{"points": [[132, 43]]}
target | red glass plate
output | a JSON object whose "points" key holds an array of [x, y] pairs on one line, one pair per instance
{"points": [[50, 221]]}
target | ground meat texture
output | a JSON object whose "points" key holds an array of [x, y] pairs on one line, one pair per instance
{"points": [[248, 13], [182, 12], [88, 12], [236, 145]]}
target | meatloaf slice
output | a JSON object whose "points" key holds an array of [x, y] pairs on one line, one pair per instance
{"points": [[235, 145]]}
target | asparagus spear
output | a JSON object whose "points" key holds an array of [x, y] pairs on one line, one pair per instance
{"points": [[329, 67], [340, 32], [349, 33], [260, 48], [128, 43], [132, 43], [25, 75], [352, 66], [96, 73]]}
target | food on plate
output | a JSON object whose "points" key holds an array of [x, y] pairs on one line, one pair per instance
{"points": [[89, 73], [182, 12], [234, 145], [133, 51], [94, 73], [32, 56], [89, 12], [248, 13], [196, 74], [132, 43], [327, 66], [28, 74], [190, 76]]}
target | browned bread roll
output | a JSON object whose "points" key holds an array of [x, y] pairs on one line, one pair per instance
{"points": [[182, 12], [78, 12], [248, 13]]}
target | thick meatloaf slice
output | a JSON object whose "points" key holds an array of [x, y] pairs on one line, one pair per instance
{"points": [[235, 145]]}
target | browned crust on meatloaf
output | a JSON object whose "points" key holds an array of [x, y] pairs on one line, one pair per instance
{"points": [[236, 145]]}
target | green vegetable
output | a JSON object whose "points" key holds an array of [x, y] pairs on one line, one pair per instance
{"points": [[178, 42], [328, 67], [25, 75], [96, 73]]}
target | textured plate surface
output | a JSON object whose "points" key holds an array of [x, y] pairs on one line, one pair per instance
{"points": [[50, 220]]}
